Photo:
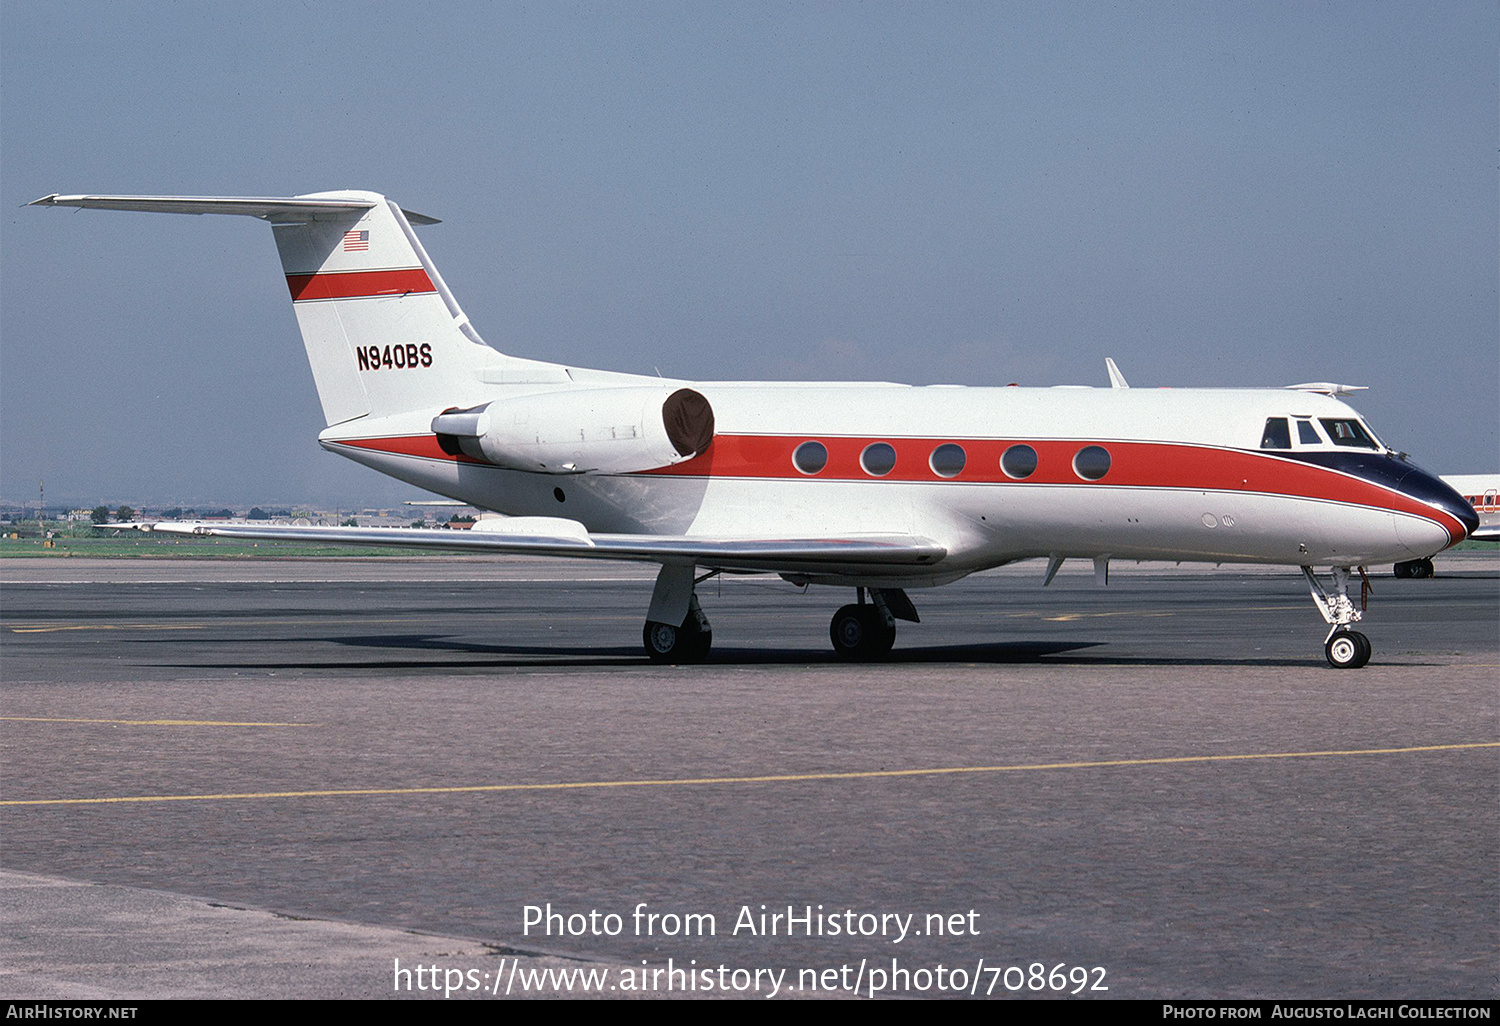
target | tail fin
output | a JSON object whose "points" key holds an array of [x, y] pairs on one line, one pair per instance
{"points": [[383, 333]]}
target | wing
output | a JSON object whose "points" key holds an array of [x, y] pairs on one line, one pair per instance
{"points": [[555, 536]]}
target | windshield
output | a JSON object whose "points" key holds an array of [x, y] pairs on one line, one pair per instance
{"points": [[1350, 433]]}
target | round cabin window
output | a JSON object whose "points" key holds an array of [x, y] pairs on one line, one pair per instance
{"points": [[1091, 462], [810, 457], [878, 459], [1019, 462], [948, 460]]}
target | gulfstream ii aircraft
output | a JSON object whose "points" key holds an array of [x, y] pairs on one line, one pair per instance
{"points": [[876, 487]]}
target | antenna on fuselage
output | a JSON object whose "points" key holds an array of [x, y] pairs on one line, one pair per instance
{"points": [[1332, 388], [1116, 379]]}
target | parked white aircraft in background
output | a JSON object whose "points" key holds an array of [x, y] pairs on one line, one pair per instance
{"points": [[877, 487], [1482, 491]]}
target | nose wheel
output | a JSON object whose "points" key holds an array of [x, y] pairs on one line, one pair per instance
{"points": [[1346, 649]]}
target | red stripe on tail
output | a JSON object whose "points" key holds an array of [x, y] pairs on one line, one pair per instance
{"points": [[358, 284]]}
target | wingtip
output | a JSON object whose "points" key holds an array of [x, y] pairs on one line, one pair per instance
{"points": [[49, 200]]}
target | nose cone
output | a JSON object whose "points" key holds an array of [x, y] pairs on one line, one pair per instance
{"points": [[1429, 489], [1430, 516]]}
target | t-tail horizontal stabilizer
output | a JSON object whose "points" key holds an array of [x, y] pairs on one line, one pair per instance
{"points": [[268, 208]]}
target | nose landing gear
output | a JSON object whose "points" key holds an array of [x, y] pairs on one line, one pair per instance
{"points": [[1346, 649]]}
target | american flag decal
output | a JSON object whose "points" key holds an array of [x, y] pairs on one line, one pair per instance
{"points": [[357, 241]]}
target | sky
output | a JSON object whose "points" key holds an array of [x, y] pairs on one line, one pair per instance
{"points": [[1212, 194]]}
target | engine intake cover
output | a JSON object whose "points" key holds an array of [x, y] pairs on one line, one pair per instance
{"points": [[689, 420]]}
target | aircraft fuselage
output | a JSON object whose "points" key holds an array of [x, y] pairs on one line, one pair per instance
{"points": [[1176, 474]]}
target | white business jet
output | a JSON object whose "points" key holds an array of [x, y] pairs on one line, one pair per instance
{"points": [[876, 487]]}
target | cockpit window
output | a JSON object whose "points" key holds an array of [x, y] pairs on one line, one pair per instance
{"points": [[1307, 434], [1349, 433], [1276, 435]]}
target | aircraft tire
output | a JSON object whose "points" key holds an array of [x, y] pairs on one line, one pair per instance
{"points": [[700, 643], [1414, 568], [1347, 650], [668, 644], [859, 635], [883, 635]]}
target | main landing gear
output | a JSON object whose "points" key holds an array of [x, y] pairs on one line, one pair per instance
{"points": [[676, 630], [1346, 649], [860, 633], [1414, 568], [865, 631], [687, 643]]}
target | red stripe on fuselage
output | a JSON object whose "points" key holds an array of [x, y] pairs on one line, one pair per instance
{"points": [[423, 446], [1132, 465], [358, 284]]}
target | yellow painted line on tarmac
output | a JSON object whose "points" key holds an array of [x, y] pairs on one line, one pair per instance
{"points": [[228, 619], [1064, 617], [770, 779], [109, 627], [152, 723], [1041, 614]]}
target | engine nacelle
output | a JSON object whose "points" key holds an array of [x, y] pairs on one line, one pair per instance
{"points": [[582, 431]]}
